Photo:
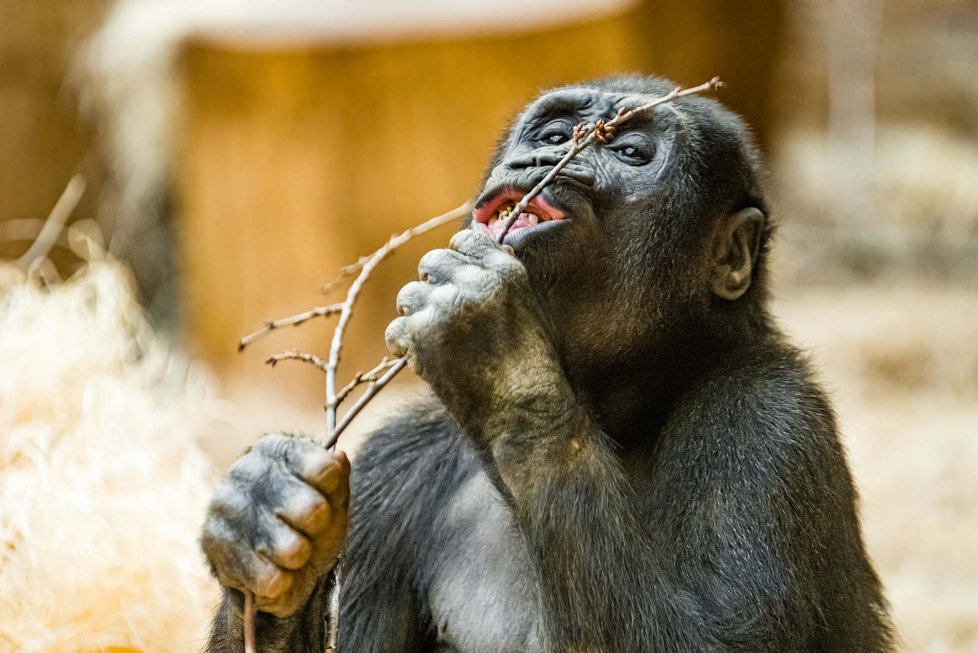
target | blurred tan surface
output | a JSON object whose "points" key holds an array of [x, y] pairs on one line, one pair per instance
{"points": [[901, 362]]}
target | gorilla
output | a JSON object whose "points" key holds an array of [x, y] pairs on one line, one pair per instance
{"points": [[620, 451]]}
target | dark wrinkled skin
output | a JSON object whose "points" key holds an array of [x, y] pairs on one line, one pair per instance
{"points": [[620, 452]]}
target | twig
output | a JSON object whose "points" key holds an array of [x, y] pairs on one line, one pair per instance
{"points": [[363, 377], [249, 622], [602, 131], [457, 213], [294, 355], [346, 308], [59, 215], [294, 320], [373, 388]]}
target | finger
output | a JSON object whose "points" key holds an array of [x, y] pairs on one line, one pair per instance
{"points": [[476, 244], [334, 483], [412, 297], [286, 547], [396, 337], [271, 582], [236, 564], [306, 510], [229, 502], [438, 265]]}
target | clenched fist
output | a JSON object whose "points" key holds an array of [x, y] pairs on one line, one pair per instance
{"points": [[277, 523], [472, 327]]}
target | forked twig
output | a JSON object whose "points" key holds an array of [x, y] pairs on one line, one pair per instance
{"points": [[363, 377], [373, 388]]}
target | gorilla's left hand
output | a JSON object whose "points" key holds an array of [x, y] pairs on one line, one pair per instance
{"points": [[473, 329]]}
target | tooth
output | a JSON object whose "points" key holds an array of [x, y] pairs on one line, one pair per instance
{"points": [[533, 219]]}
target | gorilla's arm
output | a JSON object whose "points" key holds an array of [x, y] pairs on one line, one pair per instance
{"points": [[711, 549], [719, 564]]}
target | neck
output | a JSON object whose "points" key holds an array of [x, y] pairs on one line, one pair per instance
{"points": [[632, 399]]}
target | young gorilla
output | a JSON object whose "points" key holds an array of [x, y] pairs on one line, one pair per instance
{"points": [[621, 452]]}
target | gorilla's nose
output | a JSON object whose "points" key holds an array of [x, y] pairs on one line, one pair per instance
{"points": [[536, 164], [544, 157]]}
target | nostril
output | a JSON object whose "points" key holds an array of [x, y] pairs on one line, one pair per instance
{"points": [[548, 157], [536, 159]]}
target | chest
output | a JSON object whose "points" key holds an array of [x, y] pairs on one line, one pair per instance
{"points": [[482, 597]]}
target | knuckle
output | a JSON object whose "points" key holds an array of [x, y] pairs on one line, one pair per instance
{"points": [[273, 582], [228, 501], [307, 510], [315, 462], [409, 297], [246, 469], [394, 336], [461, 239], [474, 243], [292, 550]]}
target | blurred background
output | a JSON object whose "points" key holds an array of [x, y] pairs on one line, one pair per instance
{"points": [[230, 156]]}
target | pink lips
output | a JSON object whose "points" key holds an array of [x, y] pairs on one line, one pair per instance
{"points": [[492, 214]]}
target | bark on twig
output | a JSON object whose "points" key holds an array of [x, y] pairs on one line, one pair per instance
{"points": [[312, 359], [293, 320], [396, 241], [366, 266]]}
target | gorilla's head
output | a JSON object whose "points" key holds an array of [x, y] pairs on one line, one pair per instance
{"points": [[656, 240]]}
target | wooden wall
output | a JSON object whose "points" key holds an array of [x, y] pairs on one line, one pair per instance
{"points": [[293, 162]]}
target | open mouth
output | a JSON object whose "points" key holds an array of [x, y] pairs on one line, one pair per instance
{"points": [[492, 213]]}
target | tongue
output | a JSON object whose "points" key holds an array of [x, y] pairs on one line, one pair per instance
{"points": [[522, 222]]}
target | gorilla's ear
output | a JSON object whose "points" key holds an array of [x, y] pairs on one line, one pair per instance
{"points": [[735, 248]]}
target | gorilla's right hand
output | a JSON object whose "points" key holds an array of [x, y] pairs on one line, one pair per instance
{"points": [[276, 524]]}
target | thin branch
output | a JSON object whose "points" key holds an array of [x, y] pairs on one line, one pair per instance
{"points": [[346, 307], [394, 242], [294, 355], [249, 622], [373, 388], [294, 320], [56, 221], [363, 377], [603, 132]]}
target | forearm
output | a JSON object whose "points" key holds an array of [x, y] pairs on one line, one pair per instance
{"points": [[603, 586], [303, 632]]}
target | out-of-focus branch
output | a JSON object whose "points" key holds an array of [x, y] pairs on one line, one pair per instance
{"points": [[55, 222]]}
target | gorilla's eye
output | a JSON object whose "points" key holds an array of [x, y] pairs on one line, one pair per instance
{"points": [[633, 153], [554, 137]]}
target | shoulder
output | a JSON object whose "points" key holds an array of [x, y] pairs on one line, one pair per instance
{"points": [[764, 413], [772, 387]]}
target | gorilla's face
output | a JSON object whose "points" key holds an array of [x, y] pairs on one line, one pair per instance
{"points": [[620, 248]]}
